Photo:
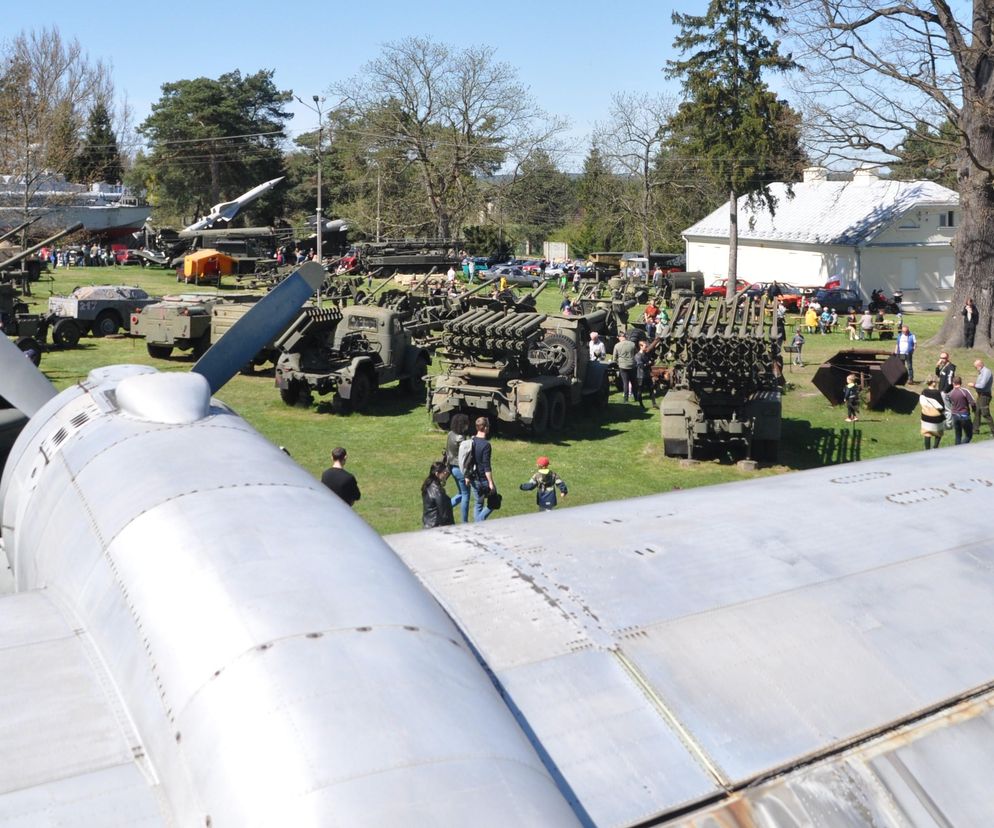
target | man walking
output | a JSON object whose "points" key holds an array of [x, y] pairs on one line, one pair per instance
{"points": [[905, 349], [624, 358], [483, 485], [982, 385], [340, 481]]}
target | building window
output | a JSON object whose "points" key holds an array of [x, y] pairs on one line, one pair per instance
{"points": [[946, 218], [909, 274]]}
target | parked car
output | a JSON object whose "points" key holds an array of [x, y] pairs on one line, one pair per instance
{"points": [[718, 287], [480, 265], [789, 294], [515, 275], [839, 299]]}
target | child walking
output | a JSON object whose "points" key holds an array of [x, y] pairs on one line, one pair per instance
{"points": [[851, 397], [546, 481]]}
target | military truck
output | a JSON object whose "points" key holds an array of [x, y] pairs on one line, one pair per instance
{"points": [[30, 330], [181, 322], [521, 367], [724, 377], [348, 352], [101, 310]]}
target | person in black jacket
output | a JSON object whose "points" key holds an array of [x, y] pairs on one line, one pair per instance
{"points": [[436, 505], [970, 318], [341, 482]]}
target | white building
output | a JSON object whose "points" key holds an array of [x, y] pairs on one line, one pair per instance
{"points": [[868, 232]]}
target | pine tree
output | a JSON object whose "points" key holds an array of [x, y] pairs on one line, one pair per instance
{"points": [[740, 133], [99, 159]]}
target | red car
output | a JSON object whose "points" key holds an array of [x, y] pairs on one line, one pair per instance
{"points": [[719, 286]]}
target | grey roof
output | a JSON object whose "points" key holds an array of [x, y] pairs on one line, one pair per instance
{"points": [[828, 212]]}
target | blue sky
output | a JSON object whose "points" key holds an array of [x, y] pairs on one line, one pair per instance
{"points": [[572, 55]]}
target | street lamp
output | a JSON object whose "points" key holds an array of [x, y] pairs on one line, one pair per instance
{"points": [[317, 108]]}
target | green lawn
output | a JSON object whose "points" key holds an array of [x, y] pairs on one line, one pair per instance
{"points": [[605, 455]]}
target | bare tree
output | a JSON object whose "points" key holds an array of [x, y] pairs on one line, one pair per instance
{"points": [[878, 73], [630, 144], [456, 115], [47, 85]]}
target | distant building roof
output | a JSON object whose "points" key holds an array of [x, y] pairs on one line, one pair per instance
{"points": [[823, 211]]}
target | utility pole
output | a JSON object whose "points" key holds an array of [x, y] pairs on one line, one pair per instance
{"points": [[319, 252], [379, 196]]}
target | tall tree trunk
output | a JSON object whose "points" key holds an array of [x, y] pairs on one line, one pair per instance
{"points": [[733, 244], [974, 243]]}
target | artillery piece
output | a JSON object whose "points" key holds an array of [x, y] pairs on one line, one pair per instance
{"points": [[21, 266], [519, 366], [724, 377]]}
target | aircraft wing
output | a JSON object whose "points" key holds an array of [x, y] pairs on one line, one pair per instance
{"points": [[71, 756], [829, 630]]}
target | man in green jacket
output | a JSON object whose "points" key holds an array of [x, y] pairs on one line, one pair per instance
{"points": [[624, 358]]}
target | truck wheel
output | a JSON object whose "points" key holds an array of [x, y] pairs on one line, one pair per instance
{"points": [[765, 451], [30, 346], [540, 419], [565, 350], [296, 393], [340, 405], [159, 351], [66, 333], [603, 394], [557, 411], [107, 323], [362, 391], [415, 383]]}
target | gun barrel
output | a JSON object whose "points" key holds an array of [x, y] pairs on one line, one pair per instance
{"points": [[15, 230], [19, 257]]}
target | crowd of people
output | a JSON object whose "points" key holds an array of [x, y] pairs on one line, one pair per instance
{"points": [[946, 403], [467, 458]]}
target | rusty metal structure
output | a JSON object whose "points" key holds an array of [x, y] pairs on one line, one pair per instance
{"points": [[878, 371], [724, 377]]}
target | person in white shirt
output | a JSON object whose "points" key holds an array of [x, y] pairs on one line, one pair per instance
{"points": [[597, 349]]}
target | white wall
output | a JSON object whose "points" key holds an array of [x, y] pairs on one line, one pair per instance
{"points": [[800, 265], [934, 266]]}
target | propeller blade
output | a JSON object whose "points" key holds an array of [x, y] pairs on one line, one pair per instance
{"points": [[259, 326], [21, 384]]}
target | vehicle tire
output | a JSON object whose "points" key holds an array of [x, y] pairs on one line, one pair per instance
{"points": [[340, 405], [295, 393], [535, 283], [557, 411], [540, 419], [565, 348], [415, 383], [362, 391], [30, 344], [603, 395], [765, 451], [66, 333], [159, 351], [107, 323]]}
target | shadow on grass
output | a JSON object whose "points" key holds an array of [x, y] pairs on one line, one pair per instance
{"points": [[805, 447], [901, 400]]}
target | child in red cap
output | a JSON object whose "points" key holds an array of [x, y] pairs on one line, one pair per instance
{"points": [[546, 481]]}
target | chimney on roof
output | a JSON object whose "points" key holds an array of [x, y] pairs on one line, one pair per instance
{"points": [[812, 174], [865, 175]]}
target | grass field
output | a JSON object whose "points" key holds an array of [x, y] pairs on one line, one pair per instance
{"points": [[610, 454]]}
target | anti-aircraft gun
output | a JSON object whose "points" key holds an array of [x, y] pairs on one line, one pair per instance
{"points": [[519, 366], [724, 377]]}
